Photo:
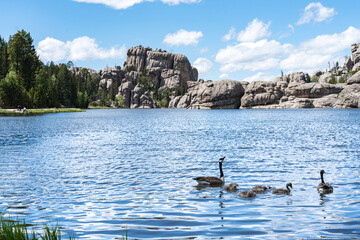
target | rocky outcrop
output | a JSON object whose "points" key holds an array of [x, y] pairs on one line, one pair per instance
{"points": [[81, 71], [262, 93], [354, 79], [157, 78], [148, 76], [355, 53], [313, 90], [299, 77], [349, 97], [225, 94]]}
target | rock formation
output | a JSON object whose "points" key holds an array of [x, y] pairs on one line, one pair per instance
{"points": [[157, 78], [148, 78], [225, 94]]}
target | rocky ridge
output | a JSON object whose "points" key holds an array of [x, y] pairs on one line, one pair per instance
{"points": [[157, 78]]}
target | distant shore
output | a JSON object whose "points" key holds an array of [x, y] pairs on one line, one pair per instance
{"points": [[36, 111]]}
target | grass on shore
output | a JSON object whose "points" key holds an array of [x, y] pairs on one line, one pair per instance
{"points": [[32, 112], [17, 230], [11, 229]]}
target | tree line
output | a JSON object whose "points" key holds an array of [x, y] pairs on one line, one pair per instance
{"points": [[26, 81]]}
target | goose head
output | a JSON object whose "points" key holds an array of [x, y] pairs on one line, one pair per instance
{"points": [[221, 159]]}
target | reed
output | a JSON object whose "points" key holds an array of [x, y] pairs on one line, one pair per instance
{"points": [[11, 229]]}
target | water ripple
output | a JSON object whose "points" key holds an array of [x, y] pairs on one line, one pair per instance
{"points": [[102, 173]]}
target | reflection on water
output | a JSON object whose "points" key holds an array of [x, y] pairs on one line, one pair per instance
{"points": [[101, 173]]}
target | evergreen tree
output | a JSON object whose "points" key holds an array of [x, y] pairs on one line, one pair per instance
{"points": [[12, 92], [23, 59], [4, 59]]}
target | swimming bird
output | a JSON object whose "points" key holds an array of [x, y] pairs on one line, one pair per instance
{"points": [[213, 181], [324, 187], [231, 187], [260, 188], [283, 191], [247, 194]]}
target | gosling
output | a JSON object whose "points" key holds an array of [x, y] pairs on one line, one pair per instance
{"points": [[283, 191]]}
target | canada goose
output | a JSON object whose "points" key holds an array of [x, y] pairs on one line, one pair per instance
{"points": [[324, 187], [283, 191], [260, 188], [213, 181], [231, 187], [247, 194]]}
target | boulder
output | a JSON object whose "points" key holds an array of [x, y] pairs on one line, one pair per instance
{"points": [[325, 77], [135, 96], [297, 103], [174, 102], [224, 94], [349, 97], [317, 73], [325, 102], [356, 67], [354, 78], [262, 93], [313, 90], [299, 77], [125, 91], [146, 101], [115, 73]]}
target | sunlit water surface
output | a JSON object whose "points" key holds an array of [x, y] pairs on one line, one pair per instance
{"points": [[104, 172]]}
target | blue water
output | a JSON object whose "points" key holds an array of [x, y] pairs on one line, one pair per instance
{"points": [[104, 172]]}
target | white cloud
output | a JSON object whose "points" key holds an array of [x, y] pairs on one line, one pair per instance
{"points": [[317, 52], [82, 48], [116, 4], [253, 56], [182, 37], [175, 2], [203, 65], [254, 31], [316, 12], [308, 56], [224, 76], [124, 4], [260, 76], [230, 35], [51, 49]]}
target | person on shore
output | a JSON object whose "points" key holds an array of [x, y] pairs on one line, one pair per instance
{"points": [[19, 108]]}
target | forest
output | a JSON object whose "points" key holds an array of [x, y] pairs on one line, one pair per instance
{"points": [[28, 82]]}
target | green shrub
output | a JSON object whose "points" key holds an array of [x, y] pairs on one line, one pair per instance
{"points": [[332, 79], [315, 78]]}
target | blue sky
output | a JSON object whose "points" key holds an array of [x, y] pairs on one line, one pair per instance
{"points": [[232, 39]]}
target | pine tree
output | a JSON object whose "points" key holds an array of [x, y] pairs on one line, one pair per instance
{"points": [[23, 59], [4, 59]]}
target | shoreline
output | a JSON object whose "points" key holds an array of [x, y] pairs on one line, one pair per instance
{"points": [[37, 111]]}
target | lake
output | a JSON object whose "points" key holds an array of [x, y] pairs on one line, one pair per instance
{"points": [[101, 173]]}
